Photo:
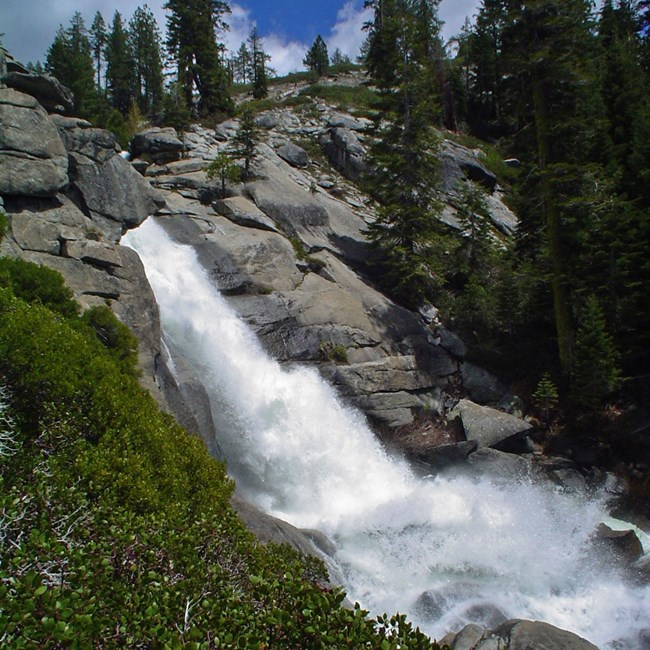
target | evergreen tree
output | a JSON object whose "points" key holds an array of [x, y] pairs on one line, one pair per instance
{"points": [[243, 64], [407, 235], [144, 38], [338, 58], [317, 58], [245, 142], [223, 168], [258, 67], [98, 37], [594, 371], [120, 67], [69, 59], [191, 41]]}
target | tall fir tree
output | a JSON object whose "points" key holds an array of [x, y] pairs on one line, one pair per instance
{"points": [[192, 26], [120, 67], [98, 37], [258, 64], [407, 234], [317, 58], [70, 60], [144, 37]]}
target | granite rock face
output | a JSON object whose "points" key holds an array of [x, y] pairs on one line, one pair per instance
{"points": [[33, 158]]}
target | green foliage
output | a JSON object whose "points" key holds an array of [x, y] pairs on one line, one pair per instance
{"points": [[115, 336], [116, 526], [594, 372], [317, 58], [245, 142], [346, 98], [4, 223], [332, 352], [37, 284], [223, 168], [546, 396]]}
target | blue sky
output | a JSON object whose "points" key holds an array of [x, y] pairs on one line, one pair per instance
{"points": [[288, 27]]}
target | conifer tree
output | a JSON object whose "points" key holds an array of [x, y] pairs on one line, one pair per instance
{"points": [[245, 142], [144, 38], [242, 64], [69, 59], [191, 42], [258, 67], [317, 58], [120, 67], [594, 370], [407, 234], [98, 37]]}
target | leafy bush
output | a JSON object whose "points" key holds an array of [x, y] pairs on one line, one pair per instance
{"points": [[39, 284], [116, 527]]}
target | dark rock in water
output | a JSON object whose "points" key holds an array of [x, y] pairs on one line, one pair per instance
{"points": [[529, 635], [624, 545], [486, 615], [442, 456], [52, 95], [498, 464], [293, 154]]}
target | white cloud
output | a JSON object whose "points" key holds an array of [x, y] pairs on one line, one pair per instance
{"points": [[286, 56], [347, 34]]}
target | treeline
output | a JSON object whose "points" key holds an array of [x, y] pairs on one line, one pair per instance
{"points": [[564, 91], [127, 69]]}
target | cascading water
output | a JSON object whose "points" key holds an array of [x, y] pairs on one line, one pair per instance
{"points": [[479, 548]]}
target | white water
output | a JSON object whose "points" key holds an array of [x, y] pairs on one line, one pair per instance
{"points": [[301, 455]]}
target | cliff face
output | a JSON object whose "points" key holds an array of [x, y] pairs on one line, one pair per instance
{"points": [[288, 248]]}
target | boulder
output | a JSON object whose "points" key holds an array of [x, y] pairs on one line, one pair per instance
{"points": [[293, 154], [33, 158], [481, 386], [176, 168], [623, 545], [459, 162], [53, 96], [524, 635], [345, 121], [243, 212], [499, 464], [487, 426], [115, 195], [79, 136], [345, 152], [442, 456], [161, 145]]}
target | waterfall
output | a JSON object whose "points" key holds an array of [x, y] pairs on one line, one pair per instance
{"points": [[480, 548]]}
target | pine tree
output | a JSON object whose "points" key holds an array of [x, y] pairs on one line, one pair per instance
{"points": [[245, 142], [191, 41], [594, 371], [258, 67], [120, 67], [98, 37], [407, 235], [338, 58], [69, 59], [243, 64], [144, 38], [223, 168], [317, 58]]}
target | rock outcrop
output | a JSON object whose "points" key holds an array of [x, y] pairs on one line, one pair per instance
{"points": [[517, 635], [33, 159]]}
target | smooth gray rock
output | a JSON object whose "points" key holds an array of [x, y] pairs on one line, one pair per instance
{"points": [[52, 95], [113, 190], [161, 145], [442, 456], [293, 154], [343, 120], [499, 464], [243, 212], [177, 167], [487, 426], [458, 161], [345, 152], [79, 136], [33, 159], [468, 637], [525, 635]]}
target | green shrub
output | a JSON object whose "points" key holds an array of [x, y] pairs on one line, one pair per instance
{"points": [[332, 352], [37, 284]]}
